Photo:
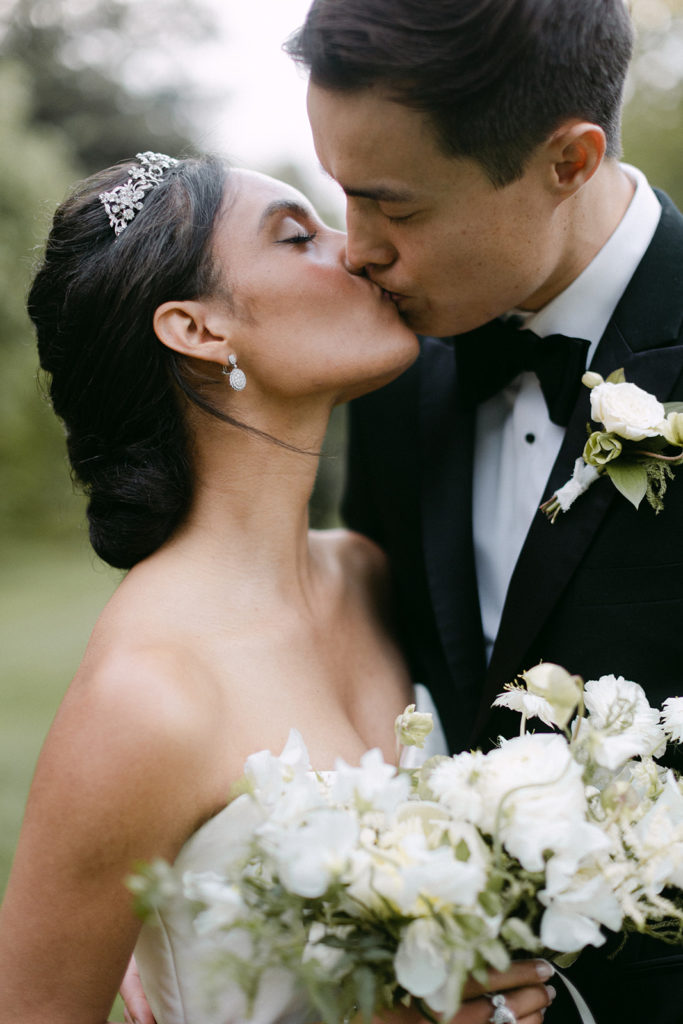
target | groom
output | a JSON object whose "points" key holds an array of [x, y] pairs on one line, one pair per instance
{"points": [[477, 144]]}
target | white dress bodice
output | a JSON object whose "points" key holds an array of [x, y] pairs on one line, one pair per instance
{"points": [[168, 952]]}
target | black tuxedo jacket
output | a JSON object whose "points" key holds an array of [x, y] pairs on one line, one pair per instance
{"points": [[598, 591]]}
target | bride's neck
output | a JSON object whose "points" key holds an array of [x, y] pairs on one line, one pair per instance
{"points": [[249, 515]]}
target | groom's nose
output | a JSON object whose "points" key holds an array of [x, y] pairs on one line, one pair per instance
{"points": [[366, 243]]}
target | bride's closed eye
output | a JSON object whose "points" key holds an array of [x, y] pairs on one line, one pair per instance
{"points": [[299, 239], [295, 231]]}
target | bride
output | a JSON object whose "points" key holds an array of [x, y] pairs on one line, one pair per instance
{"points": [[198, 325]]}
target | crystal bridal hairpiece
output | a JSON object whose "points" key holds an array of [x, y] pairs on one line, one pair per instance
{"points": [[122, 202]]}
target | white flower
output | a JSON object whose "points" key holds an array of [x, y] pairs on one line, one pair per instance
{"points": [[560, 689], [413, 727], [267, 775], [225, 905], [621, 724], [672, 428], [627, 410], [672, 718], [454, 783], [424, 816], [533, 797], [576, 909], [311, 856], [436, 878], [660, 834], [528, 704], [421, 961], [317, 949], [445, 1001], [375, 785]]}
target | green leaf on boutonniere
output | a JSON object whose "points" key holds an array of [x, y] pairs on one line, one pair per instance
{"points": [[653, 444], [629, 479], [673, 406], [616, 377]]}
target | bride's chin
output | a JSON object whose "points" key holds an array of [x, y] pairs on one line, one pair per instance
{"points": [[367, 386]]}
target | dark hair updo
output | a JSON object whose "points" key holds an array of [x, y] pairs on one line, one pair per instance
{"points": [[113, 383]]}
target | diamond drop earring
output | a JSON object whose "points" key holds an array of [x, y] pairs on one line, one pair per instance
{"points": [[236, 377]]}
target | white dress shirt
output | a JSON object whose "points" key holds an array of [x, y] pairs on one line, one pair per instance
{"points": [[516, 443]]}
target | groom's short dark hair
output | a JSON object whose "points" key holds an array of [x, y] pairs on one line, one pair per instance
{"points": [[496, 77]]}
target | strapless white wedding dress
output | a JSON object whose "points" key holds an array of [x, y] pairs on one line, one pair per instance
{"points": [[168, 954]]}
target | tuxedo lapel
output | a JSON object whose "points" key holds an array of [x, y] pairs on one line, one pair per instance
{"points": [[642, 338], [446, 494], [551, 551]]}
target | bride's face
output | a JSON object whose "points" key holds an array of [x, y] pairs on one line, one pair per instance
{"points": [[302, 323]]}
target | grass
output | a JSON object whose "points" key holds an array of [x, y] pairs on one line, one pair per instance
{"points": [[50, 596]]}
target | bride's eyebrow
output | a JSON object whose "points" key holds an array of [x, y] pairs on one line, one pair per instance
{"points": [[284, 206]]}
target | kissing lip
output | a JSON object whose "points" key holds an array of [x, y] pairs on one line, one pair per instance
{"points": [[395, 297]]}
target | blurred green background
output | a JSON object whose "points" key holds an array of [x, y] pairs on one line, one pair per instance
{"points": [[65, 112]]}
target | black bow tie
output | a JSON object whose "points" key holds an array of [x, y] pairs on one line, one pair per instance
{"points": [[491, 356]]}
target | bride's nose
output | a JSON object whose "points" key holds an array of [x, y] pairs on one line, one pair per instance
{"points": [[339, 242]]}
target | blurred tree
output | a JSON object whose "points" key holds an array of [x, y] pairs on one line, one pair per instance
{"points": [[84, 84], [653, 117], [106, 73], [35, 167]]}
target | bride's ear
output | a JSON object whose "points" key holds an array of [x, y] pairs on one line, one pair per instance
{"points": [[193, 330]]}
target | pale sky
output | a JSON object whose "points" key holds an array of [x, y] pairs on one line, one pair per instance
{"points": [[263, 121]]}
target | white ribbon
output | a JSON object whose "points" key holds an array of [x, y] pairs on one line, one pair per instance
{"points": [[585, 1015], [582, 477]]}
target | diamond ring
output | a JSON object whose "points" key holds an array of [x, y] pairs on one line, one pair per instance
{"points": [[502, 1014]]}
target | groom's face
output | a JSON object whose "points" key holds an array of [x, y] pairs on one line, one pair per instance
{"points": [[431, 229]]}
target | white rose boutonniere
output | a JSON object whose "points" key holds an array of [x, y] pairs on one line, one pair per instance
{"points": [[631, 449], [626, 410]]}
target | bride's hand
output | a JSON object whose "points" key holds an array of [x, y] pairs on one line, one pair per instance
{"points": [[137, 1009], [523, 985]]}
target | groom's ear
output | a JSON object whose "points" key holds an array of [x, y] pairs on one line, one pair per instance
{"points": [[574, 151], [194, 329]]}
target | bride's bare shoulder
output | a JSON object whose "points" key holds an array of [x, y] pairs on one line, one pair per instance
{"points": [[353, 551], [362, 565]]}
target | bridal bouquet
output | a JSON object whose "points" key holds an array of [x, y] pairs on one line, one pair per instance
{"points": [[371, 885]]}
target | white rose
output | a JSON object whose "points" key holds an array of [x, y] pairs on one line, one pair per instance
{"points": [[627, 410], [533, 796]]}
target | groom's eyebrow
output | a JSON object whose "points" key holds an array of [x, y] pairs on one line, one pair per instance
{"points": [[283, 206], [380, 193]]}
